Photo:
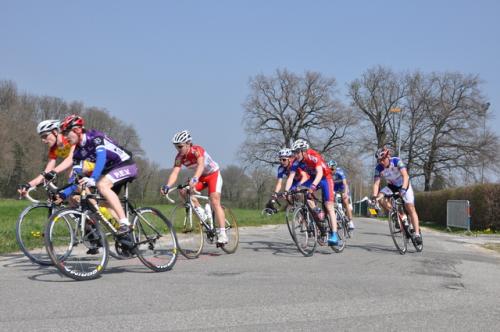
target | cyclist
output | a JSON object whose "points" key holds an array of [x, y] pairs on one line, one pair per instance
{"points": [[113, 167], [394, 171], [206, 175], [59, 147], [312, 163], [341, 187], [286, 161]]}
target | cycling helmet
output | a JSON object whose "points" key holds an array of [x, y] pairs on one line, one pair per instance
{"points": [[72, 121], [300, 144], [332, 164], [182, 137], [382, 153], [285, 153], [47, 125]]}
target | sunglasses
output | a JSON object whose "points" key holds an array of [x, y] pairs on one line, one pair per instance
{"points": [[179, 146], [284, 159]]}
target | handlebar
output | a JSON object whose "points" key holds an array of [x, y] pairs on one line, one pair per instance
{"points": [[180, 187]]}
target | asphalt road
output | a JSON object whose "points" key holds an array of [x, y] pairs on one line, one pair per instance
{"points": [[268, 285]]}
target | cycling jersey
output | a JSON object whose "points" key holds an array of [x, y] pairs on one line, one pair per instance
{"points": [[60, 151], [311, 160], [190, 160], [95, 142], [338, 179], [391, 174]]}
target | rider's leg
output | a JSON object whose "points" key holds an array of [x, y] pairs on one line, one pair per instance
{"points": [[104, 185], [413, 217]]}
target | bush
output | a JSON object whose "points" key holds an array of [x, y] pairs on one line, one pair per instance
{"points": [[484, 202]]}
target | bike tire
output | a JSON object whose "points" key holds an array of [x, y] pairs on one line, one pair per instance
{"points": [[189, 232], [155, 239], [304, 232], [397, 234], [289, 219], [232, 232], [30, 230], [68, 247]]}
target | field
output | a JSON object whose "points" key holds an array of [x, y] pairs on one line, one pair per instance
{"points": [[10, 210]]}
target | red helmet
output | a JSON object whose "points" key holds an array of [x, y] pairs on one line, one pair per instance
{"points": [[382, 153], [72, 121]]}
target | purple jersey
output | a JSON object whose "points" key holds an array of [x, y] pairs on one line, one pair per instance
{"points": [[94, 140]]}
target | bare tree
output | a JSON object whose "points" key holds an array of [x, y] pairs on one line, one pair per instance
{"points": [[284, 107], [374, 95]]}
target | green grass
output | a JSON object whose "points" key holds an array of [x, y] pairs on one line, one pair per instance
{"points": [[10, 210]]}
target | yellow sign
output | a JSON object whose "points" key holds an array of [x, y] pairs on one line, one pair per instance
{"points": [[373, 212]]}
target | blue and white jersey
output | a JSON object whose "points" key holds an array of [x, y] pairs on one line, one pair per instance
{"points": [[285, 172], [391, 174], [338, 179]]}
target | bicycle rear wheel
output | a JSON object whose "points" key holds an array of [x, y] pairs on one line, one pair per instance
{"points": [[233, 235], [30, 229], [189, 229], [397, 233], [304, 232], [80, 253]]}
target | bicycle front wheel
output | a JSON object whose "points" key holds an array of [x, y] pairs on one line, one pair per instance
{"points": [[188, 228], [342, 234], [30, 229], [155, 239], [289, 219], [233, 235], [304, 232], [76, 244], [397, 233]]}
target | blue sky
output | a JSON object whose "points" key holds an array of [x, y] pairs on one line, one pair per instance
{"points": [[165, 66]]}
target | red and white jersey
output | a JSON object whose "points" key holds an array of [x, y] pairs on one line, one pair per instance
{"points": [[190, 160]]}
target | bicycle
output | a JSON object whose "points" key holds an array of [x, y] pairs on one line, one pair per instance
{"points": [[401, 228], [342, 216], [307, 229], [270, 209], [85, 246], [191, 226], [30, 225]]}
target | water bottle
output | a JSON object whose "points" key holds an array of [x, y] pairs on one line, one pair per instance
{"points": [[208, 211], [319, 214], [107, 214]]}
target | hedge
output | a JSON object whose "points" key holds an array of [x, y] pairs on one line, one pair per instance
{"points": [[484, 202]]}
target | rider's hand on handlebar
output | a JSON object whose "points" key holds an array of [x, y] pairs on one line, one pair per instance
{"points": [[49, 176], [164, 189], [90, 182], [22, 189], [373, 200]]}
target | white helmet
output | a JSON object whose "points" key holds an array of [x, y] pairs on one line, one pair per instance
{"points": [[300, 144], [47, 125], [181, 137], [285, 153]]}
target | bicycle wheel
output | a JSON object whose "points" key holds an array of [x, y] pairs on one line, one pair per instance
{"points": [[233, 235], [342, 234], [188, 229], [289, 219], [267, 212], [397, 233], [30, 228], [76, 245], [304, 232], [155, 240]]}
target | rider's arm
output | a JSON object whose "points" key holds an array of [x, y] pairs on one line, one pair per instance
{"points": [[173, 176], [289, 180], [199, 167], [376, 186], [319, 175], [406, 178], [346, 186], [100, 161], [279, 183], [50, 166], [66, 163]]}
